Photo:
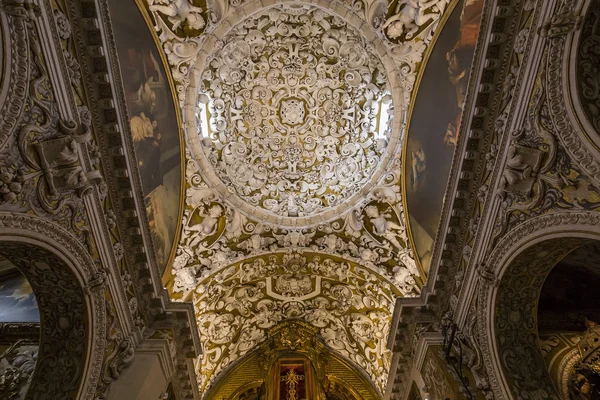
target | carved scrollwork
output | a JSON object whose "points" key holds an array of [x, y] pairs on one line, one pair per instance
{"points": [[308, 118], [67, 348], [571, 135], [62, 308], [349, 307], [14, 30], [588, 65], [522, 367]]}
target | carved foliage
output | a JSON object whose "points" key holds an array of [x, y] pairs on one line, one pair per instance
{"points": [[572, 138], [295, 111], [539, 176], [516, 320], [515, 323], [588, 65], [350, 307], [216, 235], [15, 25], [61, 301]]}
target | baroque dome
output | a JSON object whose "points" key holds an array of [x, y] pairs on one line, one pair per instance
{"points": [[293, 115]]}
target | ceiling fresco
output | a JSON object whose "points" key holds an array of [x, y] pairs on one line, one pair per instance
{"points": [[294, 118]]}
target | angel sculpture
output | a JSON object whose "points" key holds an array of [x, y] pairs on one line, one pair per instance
{"points": [[410, 16], [386, 228], [179, 11], [208, 227]]}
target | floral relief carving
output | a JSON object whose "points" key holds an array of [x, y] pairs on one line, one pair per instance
{"points": [[574, 141], [215, 235], [588, 65], [350, 306], [516, 339], [539, 175], [516, 297], [294, 111], [294, 120], [62, 354], [294, 117], [16, 75], [42, 164]]}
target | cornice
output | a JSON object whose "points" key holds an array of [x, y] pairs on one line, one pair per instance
{"points": [[491, 63], [97, 56], [519, 98]]}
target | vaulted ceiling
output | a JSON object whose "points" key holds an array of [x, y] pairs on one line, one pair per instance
{"points": [[292, 121]]}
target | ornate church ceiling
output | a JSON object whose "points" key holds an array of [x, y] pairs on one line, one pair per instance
{"points": [[294, 117]]}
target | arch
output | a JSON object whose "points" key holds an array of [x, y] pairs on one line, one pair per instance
{"points": [[578, 136], [14, 80], [507, 304], [70, 294]]}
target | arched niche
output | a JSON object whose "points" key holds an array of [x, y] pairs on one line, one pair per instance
{"points": [[508, 295], [572, 90], [70, 297], [568, 311]]}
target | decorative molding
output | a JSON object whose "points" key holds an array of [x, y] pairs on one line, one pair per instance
{"points": [[521, 272], [14, 25], [31, 244], [578, 147], [350, 309], [138, 273]]}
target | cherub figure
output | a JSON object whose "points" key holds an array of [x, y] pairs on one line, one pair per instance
{"points": [[206, 228], [179, 11], [517, 169], [409, 17], [386, 228]]}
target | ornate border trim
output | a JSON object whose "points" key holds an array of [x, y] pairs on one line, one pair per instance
{"points": [[562, 56], [574, 225], [15, 48], [33, 231]]}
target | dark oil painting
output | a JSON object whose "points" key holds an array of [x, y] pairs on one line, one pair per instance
{"points": [[435, 124], [153, 123]]}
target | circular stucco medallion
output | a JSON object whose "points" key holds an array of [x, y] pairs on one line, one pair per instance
{"points": [[294, 114]]}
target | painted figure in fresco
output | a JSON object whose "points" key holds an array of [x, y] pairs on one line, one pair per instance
{"points": [[147, 140], [409, 16], [142, 71], [180, 11], [459, 62], [142, 128], [418, 165], [160, 221]]}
